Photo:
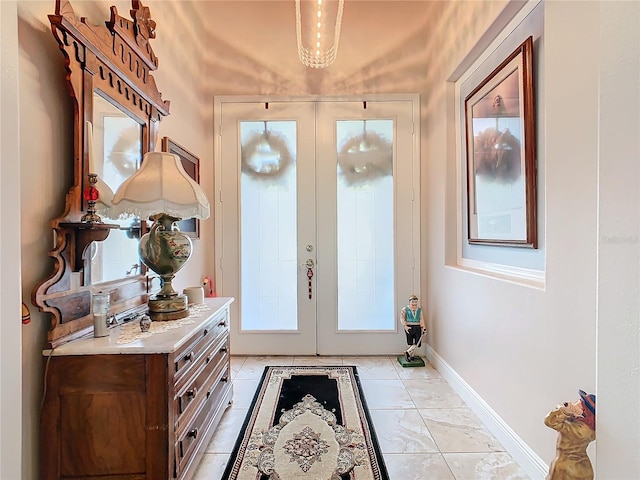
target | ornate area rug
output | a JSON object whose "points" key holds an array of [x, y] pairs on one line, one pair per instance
{"points": [[307, 423]]}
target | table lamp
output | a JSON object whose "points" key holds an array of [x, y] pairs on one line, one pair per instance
{"points": [[162, 191]]}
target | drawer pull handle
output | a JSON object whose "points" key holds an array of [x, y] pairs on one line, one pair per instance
{"points": [[206, 330], [208, 393], [193, 433], [224, 379], [208, 359], [223, 349], [191, 357], [223, 323], [192, 393]]}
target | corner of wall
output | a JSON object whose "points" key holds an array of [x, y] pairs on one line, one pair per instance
{"points": [[10, 281], [531, 463]]}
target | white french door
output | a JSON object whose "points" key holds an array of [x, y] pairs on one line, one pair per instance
{"points": [[316, 223]]}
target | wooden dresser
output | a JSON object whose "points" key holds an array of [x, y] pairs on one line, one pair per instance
{"points": [[139, 410]]}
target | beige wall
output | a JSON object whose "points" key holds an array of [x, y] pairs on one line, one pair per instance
{"points": [[46, 151], [522, 350], [45, 146]]}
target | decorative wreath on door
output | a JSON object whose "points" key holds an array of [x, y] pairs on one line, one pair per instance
{"points": [[365, 157], [265, 156]]}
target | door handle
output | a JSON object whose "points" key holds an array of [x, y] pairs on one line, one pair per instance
{"points": [[310, 264]]}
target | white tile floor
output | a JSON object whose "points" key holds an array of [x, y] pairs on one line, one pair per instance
{"points": [[425, 430]]}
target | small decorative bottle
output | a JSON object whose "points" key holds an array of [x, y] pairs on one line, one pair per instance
{"points": [[100, 314], [145, 323]]}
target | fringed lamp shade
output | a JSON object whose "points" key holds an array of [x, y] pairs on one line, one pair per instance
{"points": [[160, 186]]}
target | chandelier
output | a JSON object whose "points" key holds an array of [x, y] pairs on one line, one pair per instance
{"points": [[318, 31]]}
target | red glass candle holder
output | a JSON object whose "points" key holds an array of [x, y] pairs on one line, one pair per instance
{"points": [[91, 196]]}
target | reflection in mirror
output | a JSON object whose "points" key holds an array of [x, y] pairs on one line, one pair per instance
{"points": [[117, 150]]}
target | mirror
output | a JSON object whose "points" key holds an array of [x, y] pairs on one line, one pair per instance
{"points": [[116, 154], [109, 75], [117, 147]]}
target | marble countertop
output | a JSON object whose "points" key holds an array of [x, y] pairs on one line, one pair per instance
{"points": [[163, 342]]}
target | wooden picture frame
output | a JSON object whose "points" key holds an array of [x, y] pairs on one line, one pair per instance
{"points": [[500, 140], [191, 164]]}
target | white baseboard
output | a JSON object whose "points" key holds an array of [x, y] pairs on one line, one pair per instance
{"points": [[531, 463]]}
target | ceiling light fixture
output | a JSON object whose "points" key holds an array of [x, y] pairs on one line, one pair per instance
{"points": [[318, 24]]}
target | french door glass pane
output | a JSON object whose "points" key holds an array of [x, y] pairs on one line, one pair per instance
{"points": [[268, 226], [365, 224]]}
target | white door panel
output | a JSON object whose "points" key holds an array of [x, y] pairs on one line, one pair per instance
{"points": [[258, 260], [330, 182], [365, 225]]}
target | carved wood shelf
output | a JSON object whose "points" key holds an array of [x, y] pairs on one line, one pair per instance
{"points": [[85, 234]]}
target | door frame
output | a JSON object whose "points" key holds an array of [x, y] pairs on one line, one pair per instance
{"points": [[399, 344]]}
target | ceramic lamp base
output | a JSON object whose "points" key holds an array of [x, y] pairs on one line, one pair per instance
{"points": [[168, 308]]}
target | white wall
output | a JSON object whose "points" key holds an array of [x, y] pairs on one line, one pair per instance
{"points": [[507, 340], [10, 303], [523, 350], [618, 329]]}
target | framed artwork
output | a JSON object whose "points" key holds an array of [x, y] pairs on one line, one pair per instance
{"points": [[191, 164], [500, 140]]}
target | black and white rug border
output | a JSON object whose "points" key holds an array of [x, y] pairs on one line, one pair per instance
{"points": [[240, 446]]}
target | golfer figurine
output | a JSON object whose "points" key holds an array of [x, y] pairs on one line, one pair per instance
{"points": [[576, 426], [414, 325]]}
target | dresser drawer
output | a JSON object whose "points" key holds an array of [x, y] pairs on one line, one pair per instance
{"points": [[189, 439], [198, 344], [191, 392]]}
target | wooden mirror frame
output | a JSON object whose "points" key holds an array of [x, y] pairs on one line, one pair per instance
{"points": [[114, 59]]}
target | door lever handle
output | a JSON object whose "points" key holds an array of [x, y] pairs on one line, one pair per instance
{"points": [[310, 266]]}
